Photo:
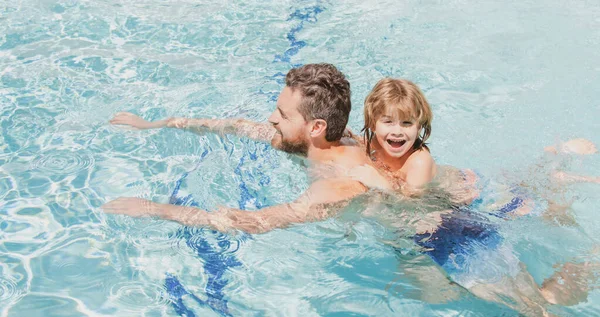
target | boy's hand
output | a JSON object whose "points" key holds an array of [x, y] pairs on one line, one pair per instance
{"points": [[129, 119]]}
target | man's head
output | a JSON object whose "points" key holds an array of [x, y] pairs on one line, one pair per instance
{"points": [[313, 107]]}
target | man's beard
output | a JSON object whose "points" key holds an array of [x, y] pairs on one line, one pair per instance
{"points": [[295, 147], [298, 146]]}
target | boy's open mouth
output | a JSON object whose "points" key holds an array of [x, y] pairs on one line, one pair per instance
{"points": [[396, 144]]}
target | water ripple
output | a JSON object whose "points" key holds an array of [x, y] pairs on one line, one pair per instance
{"points": [[220, 243], [157, 237], [280, 279], [135, 296], [145, 233], [353, 301], [63, 162], [215, 249], [8, 290], [69, 270]]}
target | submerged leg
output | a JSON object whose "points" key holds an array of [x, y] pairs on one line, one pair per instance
{"points": [[572, 178], [520, 293], [571, 284], [427, 282], [574, 146], [568, 286], [560, 214]]}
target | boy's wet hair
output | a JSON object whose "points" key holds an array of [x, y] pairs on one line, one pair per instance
{"points": [[402, 96], [325, 95]]}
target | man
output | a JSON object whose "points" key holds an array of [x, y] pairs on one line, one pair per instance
{"points": [[310, 120]]}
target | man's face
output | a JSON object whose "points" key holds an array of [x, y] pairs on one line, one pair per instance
{"points": [[292, 129]]}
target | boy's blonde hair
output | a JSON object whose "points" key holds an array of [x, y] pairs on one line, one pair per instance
{"points": [[403, 96]]}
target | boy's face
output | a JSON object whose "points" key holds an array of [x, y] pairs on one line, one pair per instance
{"points": [[396, 136], [292, 130]]}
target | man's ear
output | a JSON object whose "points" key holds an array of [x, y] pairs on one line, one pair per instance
{"points": [[319, 127]]}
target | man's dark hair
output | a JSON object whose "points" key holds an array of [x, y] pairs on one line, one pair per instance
{"points": [[325, 95]]}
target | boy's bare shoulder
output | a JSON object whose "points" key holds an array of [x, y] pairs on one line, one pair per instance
{"points": [[420, 159], [420, 168]]}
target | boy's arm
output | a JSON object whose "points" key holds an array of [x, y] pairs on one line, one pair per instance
{"points": [[420, 171], [313, 205], [241, 127], [369, 176], [410, 183]]}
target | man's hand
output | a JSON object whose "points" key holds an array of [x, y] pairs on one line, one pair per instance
{"points": [[129, 119], [133, 207]]}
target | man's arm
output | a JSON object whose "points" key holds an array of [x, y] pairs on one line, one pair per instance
{"points": [[314, 205], [241, 127]]}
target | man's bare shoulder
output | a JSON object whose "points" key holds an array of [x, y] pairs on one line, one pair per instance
{"points": [[355, 155], [339, 163]]}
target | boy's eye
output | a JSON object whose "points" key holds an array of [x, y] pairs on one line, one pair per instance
{"points": [[407, 123]]}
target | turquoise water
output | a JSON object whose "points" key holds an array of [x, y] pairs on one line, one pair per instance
{"points": [[503, 79]]}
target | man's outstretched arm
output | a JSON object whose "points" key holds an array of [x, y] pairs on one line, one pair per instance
{"points": [[314, 205], [241, 127]]}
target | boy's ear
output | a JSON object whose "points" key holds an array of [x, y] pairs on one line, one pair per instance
{"points": [[319, 127]]}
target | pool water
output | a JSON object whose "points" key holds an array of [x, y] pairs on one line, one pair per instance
{"points": [[504, 80]]}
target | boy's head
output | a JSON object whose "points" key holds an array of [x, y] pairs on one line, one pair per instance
{"points": [[315, 103], [399, 101]]}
